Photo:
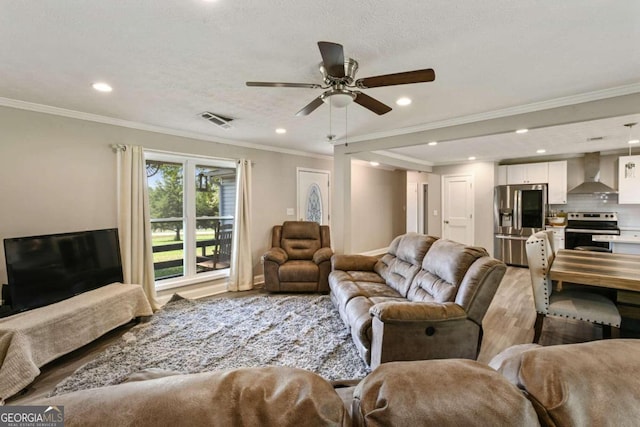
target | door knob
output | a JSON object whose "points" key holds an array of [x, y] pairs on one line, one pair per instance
{"points": [[446, 222]]}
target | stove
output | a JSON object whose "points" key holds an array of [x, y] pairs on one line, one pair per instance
{"points": [[582, 226]]}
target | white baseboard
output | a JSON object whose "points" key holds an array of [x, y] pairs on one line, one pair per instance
{"points": [[202, 290]]}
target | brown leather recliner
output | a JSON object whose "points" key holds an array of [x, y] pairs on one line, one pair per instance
{"points": [[300, 258]]}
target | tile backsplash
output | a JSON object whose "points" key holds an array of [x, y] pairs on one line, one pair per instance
{"points": [[628, 215]]}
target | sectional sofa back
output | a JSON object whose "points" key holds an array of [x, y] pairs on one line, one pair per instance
{"points": [[454, 272], [401, 263]]}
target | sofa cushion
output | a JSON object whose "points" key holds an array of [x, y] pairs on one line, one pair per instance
{"points": [[399, 270], [595, 383], [452, 392], [268, 396], [298, 271], [300, 240], [443, 271], [413, 247]]}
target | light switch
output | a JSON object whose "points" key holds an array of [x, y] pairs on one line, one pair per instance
{"points": [[435, 212], [290, 212]]}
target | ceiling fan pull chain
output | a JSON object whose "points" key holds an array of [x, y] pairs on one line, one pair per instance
{"points": [[330, 114], [346, 126]]}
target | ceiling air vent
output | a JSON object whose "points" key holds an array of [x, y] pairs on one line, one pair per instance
{"points": [[220, 121]]}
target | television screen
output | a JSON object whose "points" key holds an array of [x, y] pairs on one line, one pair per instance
{"points": [[47, 269]]}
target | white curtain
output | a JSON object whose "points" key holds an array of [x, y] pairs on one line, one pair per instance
{"points": [[241, 271], [134, 226]]}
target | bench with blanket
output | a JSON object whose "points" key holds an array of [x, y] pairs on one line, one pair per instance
{"points": [[33, 338]]}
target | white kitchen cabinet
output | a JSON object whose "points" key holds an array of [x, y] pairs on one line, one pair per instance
{"points": [[628, 179], [529, 173], [557, 183], [502, 175]]}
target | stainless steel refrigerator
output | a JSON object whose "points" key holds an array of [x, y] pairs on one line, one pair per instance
{"points": [[519, 211]]}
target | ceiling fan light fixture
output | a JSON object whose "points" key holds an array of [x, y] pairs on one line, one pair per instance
{"points": [[339, 98], [521, 131], [403, 101]]}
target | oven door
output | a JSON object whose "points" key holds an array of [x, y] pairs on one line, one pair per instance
{"points": [[574, 237]]}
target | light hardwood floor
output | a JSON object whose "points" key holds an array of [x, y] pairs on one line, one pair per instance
{"points": [[508, 321]]}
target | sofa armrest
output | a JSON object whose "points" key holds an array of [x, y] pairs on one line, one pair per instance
{"points": [[277, 255], [322, 254], [395, 312], [353, 262]]}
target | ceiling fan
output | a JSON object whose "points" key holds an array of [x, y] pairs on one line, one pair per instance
{"points": [[340, 86]]}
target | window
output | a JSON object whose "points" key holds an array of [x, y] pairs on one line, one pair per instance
{"points": [[192, 202]]}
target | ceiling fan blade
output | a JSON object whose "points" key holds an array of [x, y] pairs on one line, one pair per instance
{"points": [[408, 77], [276, 84], [371, 103], [310, 107], [332, 58]]}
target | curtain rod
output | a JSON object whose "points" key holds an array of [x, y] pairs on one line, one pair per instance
{"points": [[122, 147]]}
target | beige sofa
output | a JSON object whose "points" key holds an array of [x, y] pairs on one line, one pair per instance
{"points": [[590, 384], [424, 299]]}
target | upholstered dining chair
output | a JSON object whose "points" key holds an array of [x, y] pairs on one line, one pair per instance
{"points": [[299, 259], [572, 304]]}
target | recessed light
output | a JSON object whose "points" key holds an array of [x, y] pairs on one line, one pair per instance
{"points": [[281, 130], [634, 141], [102, 87], [522, 131], [403, 101], [433, 143], [472, 158], [374, 163], [540, 151]]}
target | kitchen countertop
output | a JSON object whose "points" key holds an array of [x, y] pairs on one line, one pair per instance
{"points": [[616, 239]]}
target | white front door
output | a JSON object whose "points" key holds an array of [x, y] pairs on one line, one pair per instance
{"points": [[457, 208], [313, 195]]}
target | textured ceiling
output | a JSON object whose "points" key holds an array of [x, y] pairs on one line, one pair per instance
{"points": [[169, 60]]}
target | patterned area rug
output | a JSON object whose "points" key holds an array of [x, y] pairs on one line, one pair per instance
{"points": [[303, 331]]}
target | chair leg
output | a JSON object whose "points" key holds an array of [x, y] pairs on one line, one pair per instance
{"points": [[537, 328]]}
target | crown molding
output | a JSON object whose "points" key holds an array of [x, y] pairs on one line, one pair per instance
{"points": [[505, 112], [63, 112]]}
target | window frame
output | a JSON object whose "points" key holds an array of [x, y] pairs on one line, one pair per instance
{"points": [[189, 163]]}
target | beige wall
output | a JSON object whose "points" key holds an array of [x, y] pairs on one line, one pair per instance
{"points": [[377, 206], [58, 174]]}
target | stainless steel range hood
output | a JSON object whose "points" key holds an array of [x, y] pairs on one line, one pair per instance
{"points": [[592, 184]]}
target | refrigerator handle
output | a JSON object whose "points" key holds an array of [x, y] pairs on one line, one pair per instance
{"points": [[517, 210]]}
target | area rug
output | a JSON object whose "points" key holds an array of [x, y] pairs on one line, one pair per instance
{"points": [[303, 331]]}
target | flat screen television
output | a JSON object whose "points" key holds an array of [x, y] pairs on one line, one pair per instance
{"points": [[46, 269]]}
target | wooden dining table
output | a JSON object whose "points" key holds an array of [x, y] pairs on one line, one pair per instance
{"points": [[602, 269]]}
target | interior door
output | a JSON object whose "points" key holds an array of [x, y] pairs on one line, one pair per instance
{"points": [[412, 207], [457, 208], [313, 195]]}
